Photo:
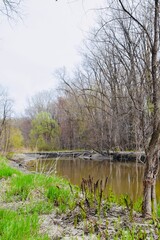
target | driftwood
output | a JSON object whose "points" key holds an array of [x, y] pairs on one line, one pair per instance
{"points": [[138, 157]]}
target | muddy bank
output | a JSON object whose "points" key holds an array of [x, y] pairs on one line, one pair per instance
{"points": [[113, 221], [86, 220]]}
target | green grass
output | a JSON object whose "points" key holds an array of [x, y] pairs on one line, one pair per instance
{"points": [[126, 201], [39, 207], [60, 197], [40, 194], [5, 170], [14, 225], [20, 187], [43, 194], [131, 234], [31, 186], [53, 190]]}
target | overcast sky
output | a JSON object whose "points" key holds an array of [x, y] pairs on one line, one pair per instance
{"points": [[48, 38]]}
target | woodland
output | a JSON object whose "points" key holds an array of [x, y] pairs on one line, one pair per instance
{"points": [[109, 102]]}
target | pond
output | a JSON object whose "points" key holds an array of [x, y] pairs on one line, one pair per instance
{"points": [[123, 178]]}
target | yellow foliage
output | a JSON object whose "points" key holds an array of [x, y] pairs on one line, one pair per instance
{"points": [[16, 140]]}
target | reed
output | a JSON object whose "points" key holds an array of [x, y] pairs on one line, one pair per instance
{"points": [[93, 193]]}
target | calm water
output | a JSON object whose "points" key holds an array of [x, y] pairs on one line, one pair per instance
{"points": [[123, 178]]}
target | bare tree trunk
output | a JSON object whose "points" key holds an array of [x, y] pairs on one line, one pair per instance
{"points": [[147, 208], [153, 197], [150, 175], [153, 190], [152, 158], [149, 194]]}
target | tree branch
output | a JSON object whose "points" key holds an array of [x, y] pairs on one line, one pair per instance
{"points": [[136, 20]]}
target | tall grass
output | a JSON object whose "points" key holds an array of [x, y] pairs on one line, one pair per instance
{"points": [[45, 193], [54, 190], [5, 170], [60, 197], [14, 225], [42, 192], [20, 187]]}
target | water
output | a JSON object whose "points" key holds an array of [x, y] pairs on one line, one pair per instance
{"points": [[123, 178]]}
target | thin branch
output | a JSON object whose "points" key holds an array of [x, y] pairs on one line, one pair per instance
{"points": [[136, 20]]}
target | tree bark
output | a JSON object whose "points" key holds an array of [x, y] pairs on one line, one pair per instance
{"points": [[150, 175], [149, 195], [152, 158], [146, 207]]}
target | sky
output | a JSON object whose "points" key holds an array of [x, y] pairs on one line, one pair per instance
{"points": [[46, 37]]}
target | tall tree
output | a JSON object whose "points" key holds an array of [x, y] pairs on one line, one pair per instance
{"points": [[124, 69], [41, 102], [45, 132], [10, 8], [5, 116], [152, 151]]}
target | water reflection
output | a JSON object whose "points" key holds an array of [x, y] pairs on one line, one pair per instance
{"points": [[123, 178]]}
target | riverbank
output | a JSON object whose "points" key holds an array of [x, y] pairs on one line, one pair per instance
{"points": [[122, 156], [36, 206]]}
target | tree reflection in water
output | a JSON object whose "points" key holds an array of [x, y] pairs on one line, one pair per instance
{"points": [[123, 178]]}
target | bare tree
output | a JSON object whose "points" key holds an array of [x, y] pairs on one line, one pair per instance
{"points": [[122, 73], [5, 117], [136, 46], [10, 8], [41, 102], [152, 157]]}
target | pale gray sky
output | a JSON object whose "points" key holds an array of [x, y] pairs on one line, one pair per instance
{"points": [[47, 39]]}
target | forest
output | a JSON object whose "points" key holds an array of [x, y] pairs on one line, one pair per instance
{"points": [[109, 102]]}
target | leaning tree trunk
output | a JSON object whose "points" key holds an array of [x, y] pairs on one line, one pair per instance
{"points": [[149, 195], [150, 175], [152, 157], [153, 190]]}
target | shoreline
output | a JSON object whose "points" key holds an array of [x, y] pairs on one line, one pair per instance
{"points": [[88, 217], [122, 156]]}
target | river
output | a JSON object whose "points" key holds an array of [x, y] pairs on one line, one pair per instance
{"points": [[123, 178]]}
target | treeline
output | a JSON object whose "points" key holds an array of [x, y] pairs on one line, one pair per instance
{"points": [[107, 101]]}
